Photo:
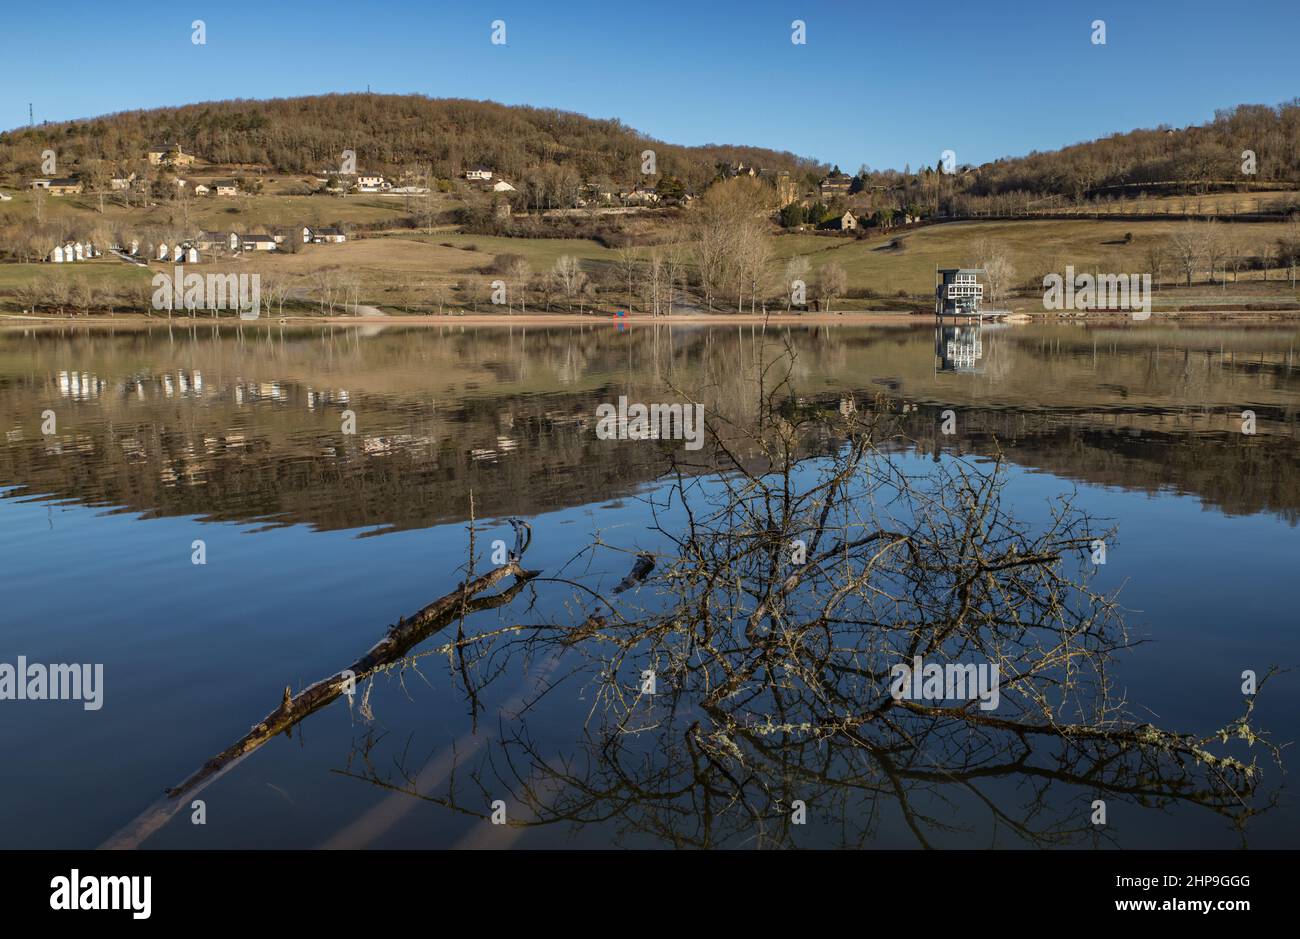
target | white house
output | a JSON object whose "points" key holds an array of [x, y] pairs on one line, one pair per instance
{"points": [[208, 240], [371, 183], [258, 243], [56, 256], [226, 187], [641, 195], [201, 190], [162, 251], [479, 173], [321, 236]]}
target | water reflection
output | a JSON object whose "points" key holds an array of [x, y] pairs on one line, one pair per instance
{"points": [[246, 425], [750, 675], [958, 347]]}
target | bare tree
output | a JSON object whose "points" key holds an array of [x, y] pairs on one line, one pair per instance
{"points": [[518, 274], [1216, 245], [628, 259], [831, 282], [998, 269], [568, 276], [1187, 247]]}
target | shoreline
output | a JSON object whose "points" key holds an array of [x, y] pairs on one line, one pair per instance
{"points": [[11, 320]]}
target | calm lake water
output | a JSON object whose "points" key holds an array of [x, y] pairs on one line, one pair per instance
{"points": [[315, 541]]}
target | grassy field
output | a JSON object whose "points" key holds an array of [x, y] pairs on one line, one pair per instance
{"points": [[102, 272], [1034, 248], [419, 271], [1209, 204]]}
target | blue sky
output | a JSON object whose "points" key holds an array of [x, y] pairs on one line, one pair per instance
{"points": [[884, 84]]}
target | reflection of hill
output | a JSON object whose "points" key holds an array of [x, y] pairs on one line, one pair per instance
{"points": [[1240, 475], [247, 426]]}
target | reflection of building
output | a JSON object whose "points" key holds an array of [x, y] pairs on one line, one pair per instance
{"points": [[958, 348], [959, 292]]}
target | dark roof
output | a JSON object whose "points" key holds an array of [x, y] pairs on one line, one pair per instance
{"points": [[65, 181]]}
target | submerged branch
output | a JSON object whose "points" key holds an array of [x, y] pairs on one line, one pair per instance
{"points": [[400, 639]]}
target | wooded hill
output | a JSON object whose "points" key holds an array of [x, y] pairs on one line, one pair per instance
{"points": [[389, 134], [1201, 157], [393, 134]]}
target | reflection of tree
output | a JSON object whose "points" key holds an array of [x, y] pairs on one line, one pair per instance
{"points": [[771, 623]]}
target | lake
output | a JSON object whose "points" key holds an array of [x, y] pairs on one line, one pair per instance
{"points": [[131, 453]]}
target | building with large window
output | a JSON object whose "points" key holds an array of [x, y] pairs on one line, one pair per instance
{"points": [[959, 292]]}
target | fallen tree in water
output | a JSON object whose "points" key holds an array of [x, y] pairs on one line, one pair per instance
{"points": [[878, 648], [400, 639]]}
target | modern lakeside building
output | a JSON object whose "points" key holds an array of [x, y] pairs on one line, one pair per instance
{"points": [[959, 292]]}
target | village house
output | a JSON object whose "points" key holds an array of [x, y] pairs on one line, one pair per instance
{"points": [[479, 173], [119, 183], [847, 222], [169, 153], [597, 193], [218, 240], [836, 184], [226, 187], [257, 243], [200, 189], [320, 236], [66, 185], [639, 195], [371, 184]]}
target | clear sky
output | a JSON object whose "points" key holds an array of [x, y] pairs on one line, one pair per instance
{"points": [[884, 84]]}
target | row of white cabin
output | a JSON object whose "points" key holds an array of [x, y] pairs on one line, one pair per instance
{"points": [[188, 252], [74, 251]]}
